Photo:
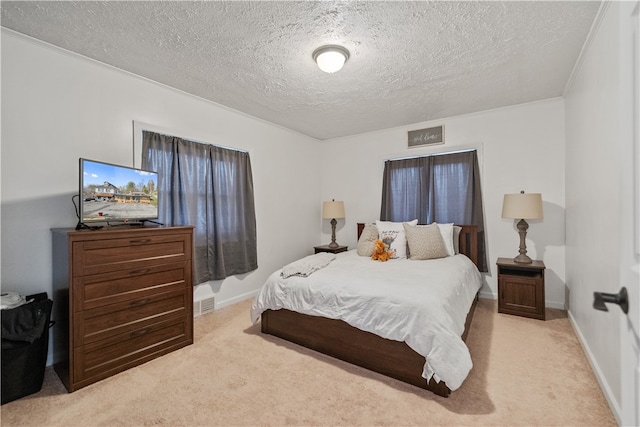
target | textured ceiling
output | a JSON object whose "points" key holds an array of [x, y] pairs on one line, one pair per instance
{"points": [[410, 61]]}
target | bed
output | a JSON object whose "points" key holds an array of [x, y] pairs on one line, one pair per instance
{"points": [[351, 330]]}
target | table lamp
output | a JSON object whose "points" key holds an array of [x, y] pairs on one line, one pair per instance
{"points": [[522, 206], [333, 210]]}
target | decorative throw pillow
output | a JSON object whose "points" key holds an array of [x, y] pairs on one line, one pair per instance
{"points": [[367, 240], [456, 239], [446, 230], [425, 241], [392, 233]]}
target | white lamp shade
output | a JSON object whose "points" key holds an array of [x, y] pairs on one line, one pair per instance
{"points": [[522, 206], [332, 209]]}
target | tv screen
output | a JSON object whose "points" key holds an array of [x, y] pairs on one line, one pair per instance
{"points": [[113, 193]]}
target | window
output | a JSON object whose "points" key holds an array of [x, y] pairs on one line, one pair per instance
{"points": [[211, 188], [439, 188]]}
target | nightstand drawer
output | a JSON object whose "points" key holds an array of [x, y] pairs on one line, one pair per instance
{"points": [[520, 295]]}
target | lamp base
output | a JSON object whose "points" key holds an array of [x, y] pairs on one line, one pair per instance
{"points": [[523, 259], [333, 243]]}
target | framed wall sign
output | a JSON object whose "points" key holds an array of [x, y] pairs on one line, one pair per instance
{"points": [[428, 136]]}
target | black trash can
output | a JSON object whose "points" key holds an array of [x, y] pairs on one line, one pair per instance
{"points": [[25, 343]]}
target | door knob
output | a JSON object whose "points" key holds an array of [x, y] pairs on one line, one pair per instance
{"points": [[621, 298]]}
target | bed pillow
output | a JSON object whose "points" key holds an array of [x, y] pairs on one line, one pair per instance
{"points": [[456, 239], [392, 233], [446, 230], [367, 240], [425, 241]]}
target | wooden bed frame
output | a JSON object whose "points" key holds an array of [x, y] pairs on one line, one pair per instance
{"points": [[338, 339]]}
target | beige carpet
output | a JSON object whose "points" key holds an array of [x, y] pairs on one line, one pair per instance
{"points": [[526, 372]]}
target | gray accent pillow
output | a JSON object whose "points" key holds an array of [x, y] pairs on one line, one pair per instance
{"points": [[425, 242], [367, 240]]}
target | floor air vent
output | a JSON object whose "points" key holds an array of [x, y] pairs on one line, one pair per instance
{"points": [[203, 306]]}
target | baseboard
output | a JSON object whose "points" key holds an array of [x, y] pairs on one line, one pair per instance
{"points": [[604, 386], [555, 304], [550, 304], [487, 295], [236, 299]]}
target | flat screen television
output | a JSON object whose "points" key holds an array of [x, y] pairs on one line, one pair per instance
{"points": [[116, 194]]}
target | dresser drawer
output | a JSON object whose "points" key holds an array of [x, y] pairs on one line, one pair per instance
{"points": [[104, 358], [119, 286], [123, 318], [131, 253]]}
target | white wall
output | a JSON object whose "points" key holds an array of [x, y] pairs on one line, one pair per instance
{"points": [[58, 106], [593, 170], [520, 148]]}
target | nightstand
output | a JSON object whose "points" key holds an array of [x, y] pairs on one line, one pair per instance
{"points": [[326, 248], [521, 288]]}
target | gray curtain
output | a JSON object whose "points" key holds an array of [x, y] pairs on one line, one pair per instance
{"points": [[440, 188], [210, 188]]}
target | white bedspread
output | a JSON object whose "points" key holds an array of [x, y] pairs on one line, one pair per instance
{"points": [[423, 303]]}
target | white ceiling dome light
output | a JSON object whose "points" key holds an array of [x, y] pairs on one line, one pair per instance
{"points": [[330, 58]]}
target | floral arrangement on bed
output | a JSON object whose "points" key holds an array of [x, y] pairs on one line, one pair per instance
{"points": [[381, 251]]}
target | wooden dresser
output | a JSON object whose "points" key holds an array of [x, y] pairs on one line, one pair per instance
{"points": [[122, 296]]}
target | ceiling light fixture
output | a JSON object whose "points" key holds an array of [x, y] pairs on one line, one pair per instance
{"points": [[330, 58]]}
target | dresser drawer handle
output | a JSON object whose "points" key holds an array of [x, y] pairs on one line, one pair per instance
{"points": [[139, 333], [139, 241], [139, 302], [139, 272]]}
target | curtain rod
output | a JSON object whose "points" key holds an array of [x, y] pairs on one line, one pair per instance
{"points": [[433, 154], [196, 141]]}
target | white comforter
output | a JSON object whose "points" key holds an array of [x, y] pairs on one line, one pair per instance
{"points": [[423, 303]]}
